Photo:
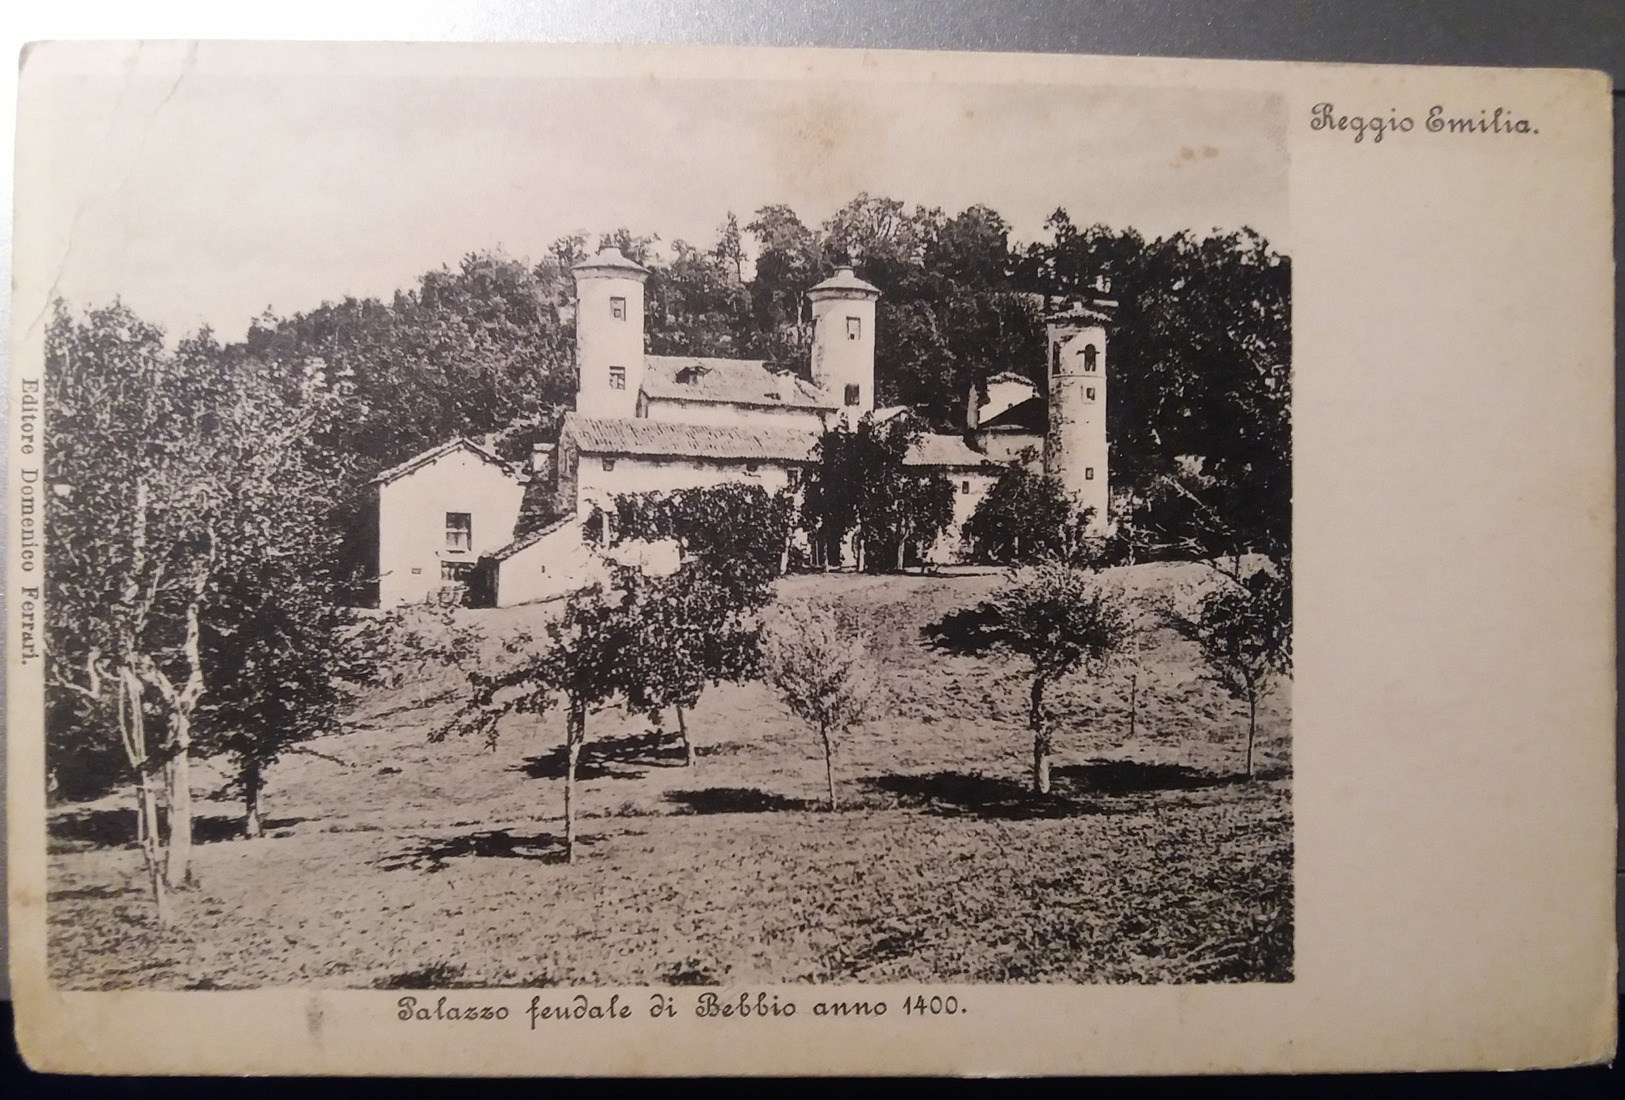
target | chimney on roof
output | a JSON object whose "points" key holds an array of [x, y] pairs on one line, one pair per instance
{"points": [[541, 461]]}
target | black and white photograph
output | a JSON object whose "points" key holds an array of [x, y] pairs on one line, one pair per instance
{"points": [[540, 531], [625, 560]]}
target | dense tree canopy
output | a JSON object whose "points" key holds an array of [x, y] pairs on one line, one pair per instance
{"points": [[1198, 367], [860, 485]]}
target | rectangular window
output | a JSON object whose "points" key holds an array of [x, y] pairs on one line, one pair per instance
{"points": [[459, 531], [964, 486], [854, 328], [617, 378], [456, 570], [609, 463], [1089, 393], [852, 394], [793, 474], [617, 308], [753, 467], [1088, 473]]}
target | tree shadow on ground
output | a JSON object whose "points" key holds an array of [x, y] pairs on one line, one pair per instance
{"points": [[1124, 777], [78, 830], [433, 854], [955, 794], [614, 758], [1098, 787], [85, 893], [1101, 787], [735, 800]]}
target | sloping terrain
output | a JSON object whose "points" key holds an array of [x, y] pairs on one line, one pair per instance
{"points": [[395, 862]]}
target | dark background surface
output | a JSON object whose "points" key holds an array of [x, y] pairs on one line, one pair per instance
{"points": [[1526, 33]]}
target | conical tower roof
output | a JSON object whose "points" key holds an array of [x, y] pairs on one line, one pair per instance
{"points": [[844, 284], [610, 261]]}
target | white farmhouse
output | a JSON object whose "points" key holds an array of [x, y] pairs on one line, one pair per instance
{"points": [[658, 422], [437, 514]]}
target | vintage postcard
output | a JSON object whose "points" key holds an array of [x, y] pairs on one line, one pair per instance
{"points": [[586, 560]]}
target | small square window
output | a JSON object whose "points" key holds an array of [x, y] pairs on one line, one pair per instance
{"points": [[617, 308], [609, 463], [617, 378], [459, 531], [854, 328], [1088, 473], [753, 467], [852, 392], [1089, 393]]}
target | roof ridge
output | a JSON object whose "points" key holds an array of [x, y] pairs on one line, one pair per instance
{"points": [[423, 458]]}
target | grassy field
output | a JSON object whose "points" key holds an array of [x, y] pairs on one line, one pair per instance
{"points": [[391, 862]]}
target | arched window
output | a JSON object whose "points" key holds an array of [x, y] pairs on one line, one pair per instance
{"points": [[1090, 357]]}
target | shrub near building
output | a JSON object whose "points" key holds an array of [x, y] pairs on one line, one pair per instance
{"points": [[1027, 518]]}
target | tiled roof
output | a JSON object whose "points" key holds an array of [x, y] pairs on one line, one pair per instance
{"points": [[531, 539], [1012, 376], [609, 260], [844, 283], [945, 450], [1098, 312], [730, 381], [1028, 415], [737, 442], [420, 460]]}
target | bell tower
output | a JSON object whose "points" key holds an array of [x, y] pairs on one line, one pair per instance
{"points": [[843, 351], [609, 334], [1075, 449]]}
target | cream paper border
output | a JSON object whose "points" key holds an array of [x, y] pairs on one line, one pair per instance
{"points": [[1453, 706]]}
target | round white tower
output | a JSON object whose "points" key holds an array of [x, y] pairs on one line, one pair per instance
{"points": [[1075, 444], [843, 351], [609, 334]]}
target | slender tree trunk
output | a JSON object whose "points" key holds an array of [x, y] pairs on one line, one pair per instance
{"points": [[182, 704], [178, 856], [829, 766], [150, 850], [253, 783], [133, 719], [1041, 742], [133, 727], [574, 733], [1252, 727], [1133, 701], [682, 732]]}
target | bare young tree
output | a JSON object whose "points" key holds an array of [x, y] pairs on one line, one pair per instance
{"points": [[825, 671]]}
